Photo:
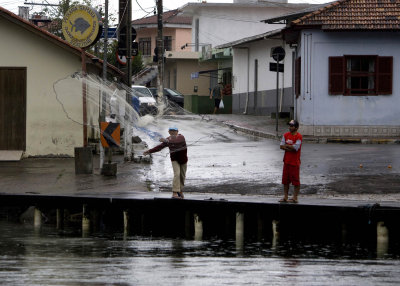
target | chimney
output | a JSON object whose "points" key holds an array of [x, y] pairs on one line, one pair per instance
{"points": [[23, 12]]}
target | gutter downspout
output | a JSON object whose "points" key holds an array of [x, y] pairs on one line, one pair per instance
{"points": [[293, 84], [248, 79]]}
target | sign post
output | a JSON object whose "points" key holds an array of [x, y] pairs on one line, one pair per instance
{"points": [[81, 27], [278, 54]]}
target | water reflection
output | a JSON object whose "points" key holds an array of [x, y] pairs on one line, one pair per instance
{"points": [[52, 257]]}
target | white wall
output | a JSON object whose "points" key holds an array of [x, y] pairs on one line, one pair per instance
{"points": [[266, 79], [317, 108], [219, 25], [244, 72], [48, 131]]}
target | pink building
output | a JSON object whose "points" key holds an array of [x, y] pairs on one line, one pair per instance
{"points": [[177, 31]]}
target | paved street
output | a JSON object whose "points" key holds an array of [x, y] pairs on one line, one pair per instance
{"points": [[221, 161]]}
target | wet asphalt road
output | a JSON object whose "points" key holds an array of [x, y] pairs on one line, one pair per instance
{"points": [[221, 160]]}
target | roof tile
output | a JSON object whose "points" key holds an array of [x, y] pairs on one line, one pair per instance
{"points": [[169, 17], [355, 15]]}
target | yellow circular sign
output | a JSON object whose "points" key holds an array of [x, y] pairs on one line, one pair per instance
{"points": [[81, 26]]}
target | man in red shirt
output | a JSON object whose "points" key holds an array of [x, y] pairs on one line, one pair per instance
{"points": [[178, 154], [291, 143]]}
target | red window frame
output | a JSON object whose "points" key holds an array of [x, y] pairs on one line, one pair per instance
{"points": [[382, 76]]}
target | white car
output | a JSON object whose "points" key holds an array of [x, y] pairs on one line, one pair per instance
{"points": [[143, 101]]}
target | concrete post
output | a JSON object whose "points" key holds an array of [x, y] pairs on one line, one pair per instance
{"points": [[60, 218], [382, 242], [126, 222], [275, 233], [83, 160], [198, 228], [85, 220], [239, 230], [37, 218]]}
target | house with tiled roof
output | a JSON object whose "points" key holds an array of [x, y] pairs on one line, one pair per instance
{"points": [[231, 36], [176, 32], [32, 61], [347, 62]]}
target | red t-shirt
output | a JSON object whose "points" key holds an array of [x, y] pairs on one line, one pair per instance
{"points": [[292, 157]]}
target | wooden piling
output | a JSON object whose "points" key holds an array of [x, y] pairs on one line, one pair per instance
{"points": [[85, 219], [60, 218], [126, 222], [382, 241], [239, 230], [37, 218], [198, 227], [275, 233]]}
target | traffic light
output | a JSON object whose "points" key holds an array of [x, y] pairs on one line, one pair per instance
{"points": [[155, 57], [122, 41]]}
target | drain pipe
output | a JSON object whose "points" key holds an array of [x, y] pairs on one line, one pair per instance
{"points": [[248, 79]]}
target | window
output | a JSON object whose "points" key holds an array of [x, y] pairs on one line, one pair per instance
{"points": [[167, 43], [360, 75], [145, 46]]}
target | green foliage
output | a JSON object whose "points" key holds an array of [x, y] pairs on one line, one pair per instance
{"points": [[56, 14], [137, 64]]}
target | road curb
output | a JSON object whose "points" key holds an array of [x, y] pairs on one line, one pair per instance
{"points": [[250, 131], [321, 140]]}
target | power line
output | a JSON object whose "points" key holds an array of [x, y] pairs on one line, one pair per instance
{"points": [[142, 8]]}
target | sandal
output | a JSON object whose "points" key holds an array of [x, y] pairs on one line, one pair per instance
{"points": [[293, 201], [176, 195], [283, 200], [180, 194]]}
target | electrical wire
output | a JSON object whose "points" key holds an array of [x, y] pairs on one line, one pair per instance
{"points": [[142, 8]]}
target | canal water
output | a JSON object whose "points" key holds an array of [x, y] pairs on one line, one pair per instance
{"points": [[47, 256]]}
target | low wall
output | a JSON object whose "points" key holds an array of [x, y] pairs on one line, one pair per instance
{"points": [[204, 105], [262, 103]]}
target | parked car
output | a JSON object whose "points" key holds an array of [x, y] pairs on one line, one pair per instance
{"points": [[170, 94], [143, 101]]}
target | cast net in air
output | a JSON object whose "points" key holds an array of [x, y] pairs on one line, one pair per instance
{"points": [[115, 101]]}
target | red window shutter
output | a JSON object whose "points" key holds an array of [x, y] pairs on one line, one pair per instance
{"points": [[297, 77], [384, 77], [336, 75]]}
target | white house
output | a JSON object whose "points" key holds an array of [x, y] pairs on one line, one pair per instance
{"points": [[254, 88], [215, 24], [254, 84], [348, 63], [31, 61]]}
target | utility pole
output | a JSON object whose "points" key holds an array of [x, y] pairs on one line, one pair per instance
{"points": [[129, 47], [160, 51], [125, 39], [103, 95]]}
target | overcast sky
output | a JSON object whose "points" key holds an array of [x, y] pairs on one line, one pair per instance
{"points": [[140, 8]]}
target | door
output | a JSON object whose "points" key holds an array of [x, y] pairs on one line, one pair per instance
{"points": [[13, 108]]}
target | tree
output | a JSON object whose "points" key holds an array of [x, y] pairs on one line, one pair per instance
{"points": [[56, 14], [137, 64]]}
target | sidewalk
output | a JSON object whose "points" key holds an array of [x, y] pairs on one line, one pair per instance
{"points": [[265, 126]]}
